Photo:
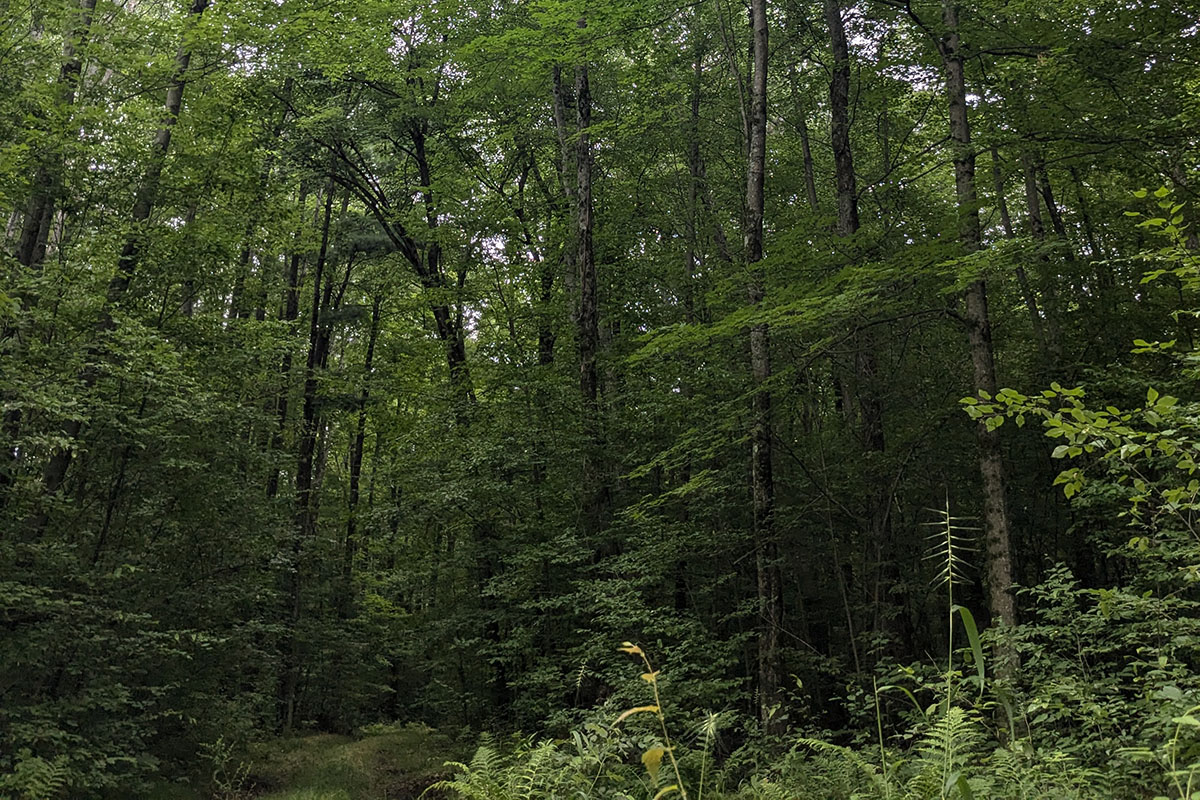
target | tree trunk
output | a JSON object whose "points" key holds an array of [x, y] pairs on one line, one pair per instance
{"points": [[594, 484], [305, 519], [291, 311], [40, 209], [1037, 229], [346, 601], [839, 104], [770, 601], [1001, 199], [35, 230], [1085, 215], [568, 180], [1028, 296], [991, 465], [866, 368]]}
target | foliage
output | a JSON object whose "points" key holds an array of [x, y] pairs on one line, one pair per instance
{"points": [[296, 445]]}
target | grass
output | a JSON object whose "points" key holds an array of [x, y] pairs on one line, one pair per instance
{"points": [[385, 763]]}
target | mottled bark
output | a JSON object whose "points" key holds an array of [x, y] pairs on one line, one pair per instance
{"points": [[839, 103], [595, 492], [991, 465]]}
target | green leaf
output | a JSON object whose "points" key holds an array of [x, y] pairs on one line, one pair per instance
{"points": [[973, 639]]}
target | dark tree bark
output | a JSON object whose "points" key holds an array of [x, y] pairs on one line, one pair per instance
{"points": [[568, 181], [865, 344], [1050, 342], [346, 600], [423, 255], [291, 312], [595, 491], [1033, 202], [839, 103], [1028, 296], [770, 599], [1056, 217], [305, 518], [1094, 249], [39, 212], [1001, 199]]}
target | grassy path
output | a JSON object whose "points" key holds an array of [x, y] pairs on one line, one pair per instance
{"points": [[391, 764]]}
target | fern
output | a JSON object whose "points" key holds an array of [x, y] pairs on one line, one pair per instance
{"points": [[529, 778], [865, 768], [35, 778], [478, 780], [944, 756]]}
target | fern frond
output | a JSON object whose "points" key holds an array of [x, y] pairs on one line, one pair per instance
{"points": [[866, 768]]}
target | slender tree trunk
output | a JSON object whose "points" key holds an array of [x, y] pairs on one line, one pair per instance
{"points": [[1085, 215], [810, 177], [356, 459], [1028, 296], [40, 210], [304, 523], [1001, 199], [291, 311], [594, 489], [839, 103], [545, 309], [866, 367], [447, 318], [1037, 229], [1033, 202], [1056, 217], [568, 181], [991, 464], [695, 173], [770, 600]]}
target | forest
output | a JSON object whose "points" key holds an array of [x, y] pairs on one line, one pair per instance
{"points": [[548, 399]]}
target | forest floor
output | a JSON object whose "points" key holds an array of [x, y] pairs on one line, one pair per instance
{"points": [[392, 764]]}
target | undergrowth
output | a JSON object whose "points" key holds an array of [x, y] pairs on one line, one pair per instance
{"points": [[1101, 707]]}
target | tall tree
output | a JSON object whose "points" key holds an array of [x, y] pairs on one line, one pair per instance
{"points": [[762, 482], [997, 533]]}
